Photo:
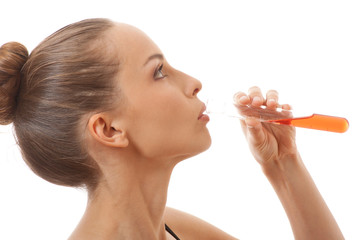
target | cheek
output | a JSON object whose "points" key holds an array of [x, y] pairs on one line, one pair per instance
{"points": [[164, 126]]}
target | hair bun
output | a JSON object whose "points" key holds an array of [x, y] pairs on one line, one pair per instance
{"points": [[13, 56]]}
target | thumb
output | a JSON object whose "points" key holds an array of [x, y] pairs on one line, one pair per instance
{"points": [[255, 132]]}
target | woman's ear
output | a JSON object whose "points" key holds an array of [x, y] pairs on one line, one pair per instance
{"points": [[101, 129]]}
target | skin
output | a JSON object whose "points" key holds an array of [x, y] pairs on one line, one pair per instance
{"points": [[153, 126]]}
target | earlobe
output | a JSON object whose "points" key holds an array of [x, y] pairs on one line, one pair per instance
{"points": [[101, 130]]}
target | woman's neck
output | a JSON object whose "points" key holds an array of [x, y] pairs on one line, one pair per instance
{"points": [[129, 203]]}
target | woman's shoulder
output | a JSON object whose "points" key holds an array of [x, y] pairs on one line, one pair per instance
{"points": [[187, 226]]}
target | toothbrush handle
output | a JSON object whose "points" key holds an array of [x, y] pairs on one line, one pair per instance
{"points": [[317, 122]]}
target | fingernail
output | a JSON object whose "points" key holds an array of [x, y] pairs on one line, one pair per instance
{"points": [[250, 123], [257, 99], [236, 96], [271, 101], [243, 98]]}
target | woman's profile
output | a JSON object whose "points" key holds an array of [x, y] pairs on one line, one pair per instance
{"points": [[97, 106]]}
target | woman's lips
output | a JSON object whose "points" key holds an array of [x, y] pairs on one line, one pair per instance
{"points": [[202, 116]]}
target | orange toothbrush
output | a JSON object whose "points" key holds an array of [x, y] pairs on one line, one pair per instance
{"points": [[279, 116]]}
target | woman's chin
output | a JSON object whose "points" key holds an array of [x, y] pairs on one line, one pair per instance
{"points": [[205, 145]]}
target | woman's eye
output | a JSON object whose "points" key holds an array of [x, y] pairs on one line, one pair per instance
{"points": [[158, 73]]}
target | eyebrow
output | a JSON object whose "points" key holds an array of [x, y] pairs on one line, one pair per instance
{"points": [[157, 55]]}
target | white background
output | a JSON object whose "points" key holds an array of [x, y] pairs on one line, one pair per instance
{"points": [[307, 50]]}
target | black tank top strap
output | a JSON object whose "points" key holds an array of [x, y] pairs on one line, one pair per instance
{"points": [[171, 232]]}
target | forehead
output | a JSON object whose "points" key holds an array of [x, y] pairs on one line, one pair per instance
{"points": [[131, 44]]}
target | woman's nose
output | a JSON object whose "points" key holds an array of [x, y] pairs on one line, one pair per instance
{"points": [[196, 90], [194, 87]]}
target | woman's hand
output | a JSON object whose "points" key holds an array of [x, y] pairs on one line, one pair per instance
{"points": [[273, 146], [269, 143]]}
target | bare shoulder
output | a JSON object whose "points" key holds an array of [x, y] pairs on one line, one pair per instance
{"points": [[190, 227]]}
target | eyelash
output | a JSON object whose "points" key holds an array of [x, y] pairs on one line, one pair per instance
{"points": [[159, 70]]}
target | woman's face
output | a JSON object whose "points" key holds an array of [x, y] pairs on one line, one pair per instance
{"points": [[160, 111]]}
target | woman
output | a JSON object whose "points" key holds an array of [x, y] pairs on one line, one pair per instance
{"points": [[97, 106]]}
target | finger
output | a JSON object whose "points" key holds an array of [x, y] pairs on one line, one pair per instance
{"points": [[243, 127], [288, 113], [286, 107], [272, 99], [241, 98], [255, 133], [256, 96]]}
